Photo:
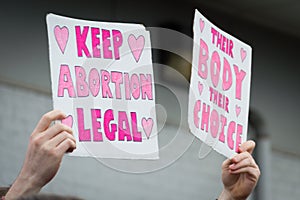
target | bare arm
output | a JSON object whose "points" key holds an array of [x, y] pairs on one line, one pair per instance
{"points": [[46, 148]]}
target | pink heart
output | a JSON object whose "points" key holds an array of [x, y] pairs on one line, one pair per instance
{"points": [[243, 54], [62, 37], [147, 126], [68, 121], [201, 25], [200, 87], [136, 46], [237, 110]]}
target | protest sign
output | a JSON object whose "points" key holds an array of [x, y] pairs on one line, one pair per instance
{"points": [[219, 87], [102, 78]]}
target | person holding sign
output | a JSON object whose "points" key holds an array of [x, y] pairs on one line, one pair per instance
{"points": [[48, 144]]}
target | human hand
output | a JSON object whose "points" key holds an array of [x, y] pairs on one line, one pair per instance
{"points": [[46, 148], [240, 174]]}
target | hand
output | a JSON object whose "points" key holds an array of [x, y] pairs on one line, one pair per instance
{"points": [[240, 174], [47, 146]]}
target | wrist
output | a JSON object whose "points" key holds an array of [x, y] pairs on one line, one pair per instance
{"points": [[225, 195], [23, 185]]}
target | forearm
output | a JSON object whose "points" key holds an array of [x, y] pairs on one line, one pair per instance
{"points": [[21, 187]]}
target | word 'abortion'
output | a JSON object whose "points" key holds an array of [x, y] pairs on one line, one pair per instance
{"points": [[111, 84]]}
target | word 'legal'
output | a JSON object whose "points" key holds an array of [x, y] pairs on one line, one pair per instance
{"points": [[125, 129]]}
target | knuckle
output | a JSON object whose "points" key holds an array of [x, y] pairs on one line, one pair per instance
{"points": [[45, 149], [52, 153], [258, 170], [65, 135], [49, 152], [71, 131], [249, 162], [59, 126], [36, 141], [70, 142], [46, 117], [71, 137], [248, 154], [253, 161], [252, 143], [224, 164]]}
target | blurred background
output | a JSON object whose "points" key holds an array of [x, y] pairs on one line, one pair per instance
{"points": [[272, 28]]}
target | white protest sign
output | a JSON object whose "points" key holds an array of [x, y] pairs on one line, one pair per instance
{"points": [[219, 87], [102, 78]]}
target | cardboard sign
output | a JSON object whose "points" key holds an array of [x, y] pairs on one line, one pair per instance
{"points": [[219, 87], [102, 78]]}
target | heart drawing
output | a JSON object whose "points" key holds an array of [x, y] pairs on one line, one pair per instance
{"points": [[243, 54], [68, 121], [237, 110], [200, 87], [136, 46], [62, 37], [147, 126], [201, 25]]}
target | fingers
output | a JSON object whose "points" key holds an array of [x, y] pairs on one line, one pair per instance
{"points": [[242, 160], [59, 138], [68, 145], [47, 119], [56, 129], [62, 143], [52, 137], [244, 163], [53, 131], [247, 146], [253, 173], [239, 157]]}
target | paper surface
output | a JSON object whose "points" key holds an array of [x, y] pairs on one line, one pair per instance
{"points": [[102, 78], [219, 87]]}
